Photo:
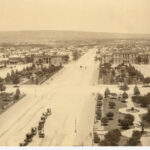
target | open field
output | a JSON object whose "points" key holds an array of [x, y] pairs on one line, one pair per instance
{"points": [[19, 67], [143, 68]]}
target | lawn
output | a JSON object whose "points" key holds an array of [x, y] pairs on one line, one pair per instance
{"points": [[7, 100], [113, 124], [144, 68]]}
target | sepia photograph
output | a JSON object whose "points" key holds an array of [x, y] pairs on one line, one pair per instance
{"points": [[74, 73]]}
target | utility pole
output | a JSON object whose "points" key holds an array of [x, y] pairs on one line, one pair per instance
{"points": [[75, 126], [35, 91]]}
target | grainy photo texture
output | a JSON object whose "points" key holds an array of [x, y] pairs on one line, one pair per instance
{"points": [[74, 72]]}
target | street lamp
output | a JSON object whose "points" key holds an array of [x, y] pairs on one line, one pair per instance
{"points": [[75, 126], [35, 91]]}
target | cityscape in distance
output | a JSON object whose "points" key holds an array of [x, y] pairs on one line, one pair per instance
{"points": [[74, 73]]}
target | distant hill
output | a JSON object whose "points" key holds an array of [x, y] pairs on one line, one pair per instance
{"points": [[50, 36]]}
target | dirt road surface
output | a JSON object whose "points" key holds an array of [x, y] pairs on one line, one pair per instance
{"points": [[70, 97]]}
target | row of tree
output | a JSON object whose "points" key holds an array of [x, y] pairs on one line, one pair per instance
{"points": [[98, 106], [129, 72], [15, 76], [76, 54]]}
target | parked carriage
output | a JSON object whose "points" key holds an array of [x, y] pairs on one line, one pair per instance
{"points": [[34, 131], [41, 125], [41, 134], [48, 111], [28, 138]]}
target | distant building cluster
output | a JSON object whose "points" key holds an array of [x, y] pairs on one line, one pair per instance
{"points": [[56, 60], [124, 55], [29, 54]]}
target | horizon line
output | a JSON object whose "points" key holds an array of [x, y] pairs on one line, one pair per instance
{"points": [[85, 31]]}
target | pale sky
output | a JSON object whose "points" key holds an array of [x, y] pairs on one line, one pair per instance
{"points": [[121, 16]]}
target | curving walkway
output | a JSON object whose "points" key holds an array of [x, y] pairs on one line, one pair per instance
{"points": [[128, 133], [135, 114]]}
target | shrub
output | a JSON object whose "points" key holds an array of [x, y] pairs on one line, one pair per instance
{"points": [[99, 96], [132, 142], [127, 121], [8, 77], [124, 124], [110, 115], [112, 105], [96, 138], [136, 91], [144, 101], [136, 135], [146, 117], [123, 101], [2, 86], [107, 92], [129, 118], [99, 103], [17, 94], [124, 95], [147, 80], [98, 114], [104, 120], [16, 79], [137, 99], [124, 87]]}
